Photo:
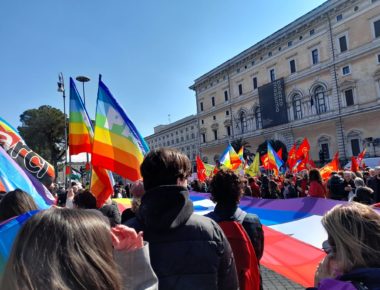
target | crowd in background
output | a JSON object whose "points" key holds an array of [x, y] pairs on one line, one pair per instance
{"points": [[160, 243]]}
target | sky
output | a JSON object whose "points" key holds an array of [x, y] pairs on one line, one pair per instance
{"points": [[149, 51]]}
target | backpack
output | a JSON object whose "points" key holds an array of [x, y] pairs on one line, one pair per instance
{"points": [[245, 257]]}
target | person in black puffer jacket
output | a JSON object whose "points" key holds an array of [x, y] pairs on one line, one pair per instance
{"points": [[187, 251]]}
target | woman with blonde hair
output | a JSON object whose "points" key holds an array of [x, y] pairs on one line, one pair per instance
{"points": [[76, 249], [353, 260]]}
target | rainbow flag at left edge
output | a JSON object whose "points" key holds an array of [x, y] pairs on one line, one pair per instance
{"points": [[12, 176]]}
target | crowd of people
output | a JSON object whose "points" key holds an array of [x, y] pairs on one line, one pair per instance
{"points": [[361, 186], [160, 243]]}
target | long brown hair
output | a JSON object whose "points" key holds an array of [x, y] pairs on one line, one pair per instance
{"points": [[63, 249], [354, 233], [14, 203]]}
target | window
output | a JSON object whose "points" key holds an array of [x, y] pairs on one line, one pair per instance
{"points": [[172, 142], [312, 32], [315, 56], [243, 122], [201, 104], [292, 64], [192, 127], [227, 113], [355, 147], [297, 109], [203, 137], [258, 118], [254, 83], [339, 17], [349, 96], [343, 43], [226, 96], [215, 134], [240, 89], [325, 151], [213, 101], [320, 102], [182, 139], [346, 70], [192, 136], [176, 140], [290, 43], [272, 75], [253, 62], [300, 38], [202, 121], [376, 27], [214, 117], [270, 53], [378, 58], [228, 129]]}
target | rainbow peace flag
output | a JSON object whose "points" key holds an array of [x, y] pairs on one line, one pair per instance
{"points": [[291, 248], [274, 159], [8, 233], [230, 159], [12, 176], [80, 139], [80, 129], [118, 146]]}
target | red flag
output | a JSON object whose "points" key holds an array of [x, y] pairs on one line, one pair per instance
{"points": [[292, 158], [303, 149], [264, 160], [201, 170], [361, 157], [67, 170], [279, 153], [354, 164], [330, 167]]}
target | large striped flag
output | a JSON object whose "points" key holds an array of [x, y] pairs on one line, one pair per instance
{"points": [[230, 159], [26, 158], [118, 146], [12, 176], [292, 229], [81, 137], [80, 128]]}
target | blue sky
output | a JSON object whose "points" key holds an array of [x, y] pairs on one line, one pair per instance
{"points": [[148, 52]]}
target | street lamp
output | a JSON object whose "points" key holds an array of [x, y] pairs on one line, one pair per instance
{"points": [[84, 79], [61, 89]]}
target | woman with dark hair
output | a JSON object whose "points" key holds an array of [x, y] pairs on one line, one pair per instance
{"points": [[226, 191], [316, 188], [73, 249], [15, 203], [353, 247]]}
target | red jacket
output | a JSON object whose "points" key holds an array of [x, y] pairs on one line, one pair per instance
{"points": [[317, 190]]}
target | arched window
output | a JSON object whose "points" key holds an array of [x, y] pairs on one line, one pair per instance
{"points": [[297, 109], [258, 118], [320, 100], [243, 122]]}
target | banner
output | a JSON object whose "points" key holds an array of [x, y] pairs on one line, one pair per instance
{"points": [[273, 104]]}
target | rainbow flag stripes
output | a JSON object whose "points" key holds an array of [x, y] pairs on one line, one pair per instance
{"points": [[118, 146], [80, 130]]}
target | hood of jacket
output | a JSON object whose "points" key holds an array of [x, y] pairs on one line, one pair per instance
{"points": [[165, 207]]}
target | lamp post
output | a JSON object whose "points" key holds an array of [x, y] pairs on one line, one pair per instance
{"points": [[61, 89], [83, 80]]}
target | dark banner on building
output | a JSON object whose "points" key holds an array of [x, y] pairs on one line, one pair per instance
{"points": [[273, 104]]}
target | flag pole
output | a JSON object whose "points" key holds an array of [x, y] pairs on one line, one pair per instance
{"points": [[61, 88]]}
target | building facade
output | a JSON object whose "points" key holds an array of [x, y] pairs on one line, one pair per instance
{"points": [[182, 135], [325, 71]]}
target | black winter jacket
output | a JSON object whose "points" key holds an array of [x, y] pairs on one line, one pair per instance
{"points": [[187, 251]]}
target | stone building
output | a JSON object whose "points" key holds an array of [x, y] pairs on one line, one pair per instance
{"points": [[318, 77], [182, 135]]}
